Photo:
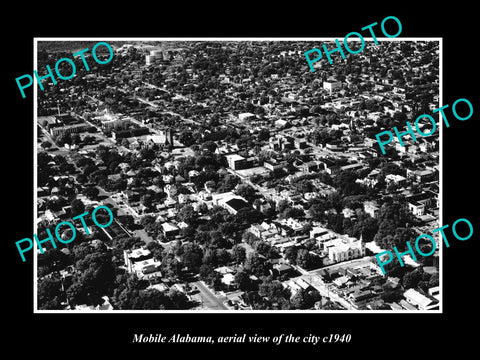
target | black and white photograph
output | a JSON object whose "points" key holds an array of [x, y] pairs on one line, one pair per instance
{"points": [[237, 178], [245, 179]]}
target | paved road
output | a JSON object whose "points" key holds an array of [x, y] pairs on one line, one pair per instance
{"points": [[214, 302]]}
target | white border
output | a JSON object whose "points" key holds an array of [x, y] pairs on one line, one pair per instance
{"points": [[273, 39]]}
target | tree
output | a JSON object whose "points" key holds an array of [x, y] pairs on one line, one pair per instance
{"points": [[171, 267], [94, 278], [124, 242], [248, 216], [80, 251], [156, 249], [192, 256], [243, 281], [126, 220], [305, 259], [367, 227], [62, 139], [46, 144], [317, 209], [209, 145], [53, 259], [177, 299], [228, 183], [206, 273], [291, 255], [383, 238], [49, 293], [274, 291], [411, 279], [305, 299], [247, 192], [76, 139], [392, 295], [282, 205], [186, 138], [249, 238], [402, 236], [239, 254], [125, 143], [434, 280], [92, 192], [130, 293], [292, 212], [256, 264], [77, 207], [187, 214]]}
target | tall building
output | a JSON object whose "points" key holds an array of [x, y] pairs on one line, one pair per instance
{"points": [[344, 248], [154, 57]]}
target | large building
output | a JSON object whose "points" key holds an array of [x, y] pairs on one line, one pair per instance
{"points": [[371, 208], [235, 161], [65, 124], [154, 57], [231, 202], [68, 129], [420, 301], [344, 248], [141, 262]]}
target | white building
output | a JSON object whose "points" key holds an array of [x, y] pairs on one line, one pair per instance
{"points": [[332, 85], [235, 161], [154, 57], [419, 300], [141, 262], [344, 248]]}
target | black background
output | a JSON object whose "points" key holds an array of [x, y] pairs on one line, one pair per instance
{"points": [[111, 334]]}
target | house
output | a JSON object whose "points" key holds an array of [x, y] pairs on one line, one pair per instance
{"points": [[227, 275], [348, 213], [358, 296], [263, 230], [341, 281], [418, 203], [170, 230], [416, 208], [283, 269], [396, 179], [371, 208]]}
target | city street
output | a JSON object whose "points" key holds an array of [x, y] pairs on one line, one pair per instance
{"points": [[209, 299]]}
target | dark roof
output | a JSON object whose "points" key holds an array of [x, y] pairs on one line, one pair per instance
{"points": [[237, 204]]}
